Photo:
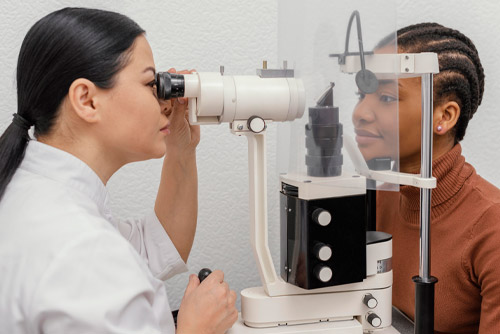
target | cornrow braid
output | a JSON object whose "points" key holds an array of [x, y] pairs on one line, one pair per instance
{"points": [[461, 75]]}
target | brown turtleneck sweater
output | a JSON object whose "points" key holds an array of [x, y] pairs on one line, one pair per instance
{"points": [[465, 246]]}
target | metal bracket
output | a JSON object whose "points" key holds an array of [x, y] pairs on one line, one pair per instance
{"points": [[275, 73], [408, 63]]}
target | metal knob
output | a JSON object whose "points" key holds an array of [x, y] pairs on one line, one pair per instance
{"points": [[374, 319], [322, 251], [323, 273], [322, 217], [256, 124], [370, 301]]}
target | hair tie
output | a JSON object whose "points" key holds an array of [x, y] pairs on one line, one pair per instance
{"points": [[21, 122]]}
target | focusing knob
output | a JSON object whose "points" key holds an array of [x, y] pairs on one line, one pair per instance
{"points": [[322, 251], [256, 124], [323, 273], [322, 217], [370, 301], [374, 320]]}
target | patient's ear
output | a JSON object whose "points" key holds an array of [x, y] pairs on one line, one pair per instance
{"points": [[82, 97], [446, 117]]}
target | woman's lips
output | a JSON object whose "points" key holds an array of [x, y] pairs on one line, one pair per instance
{"points": [[364, 137], [165, 129]]}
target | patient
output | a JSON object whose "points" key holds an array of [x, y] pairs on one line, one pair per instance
{"points": [[465, 209]]}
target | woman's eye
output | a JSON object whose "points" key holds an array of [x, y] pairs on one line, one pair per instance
{"points": [[152, 84], [360, 95], [387, 98]]}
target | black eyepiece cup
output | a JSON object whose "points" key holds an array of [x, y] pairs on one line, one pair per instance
{"points": [[169, 85]]}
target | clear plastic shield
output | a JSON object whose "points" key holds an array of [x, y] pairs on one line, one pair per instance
{"points": [[345, 54]]}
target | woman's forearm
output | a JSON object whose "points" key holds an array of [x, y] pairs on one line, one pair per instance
{"points": [[177, 201]]}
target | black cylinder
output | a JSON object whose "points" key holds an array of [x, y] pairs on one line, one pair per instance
{"points": [[424, 305], [169, 85], [324, 141]]}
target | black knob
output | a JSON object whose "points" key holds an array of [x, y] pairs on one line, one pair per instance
{"points": [[323, 273], [321, 217], [370, 301], [374, 320], [204, 274]]}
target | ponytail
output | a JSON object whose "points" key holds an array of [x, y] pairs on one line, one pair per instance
{"points": [[12, 147]]}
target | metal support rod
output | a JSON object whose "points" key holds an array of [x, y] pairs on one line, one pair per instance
{"points": [[426, 172], [424, 284]]}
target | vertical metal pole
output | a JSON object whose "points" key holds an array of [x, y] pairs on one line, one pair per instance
{"points": [[424, 283], [426, 171]]}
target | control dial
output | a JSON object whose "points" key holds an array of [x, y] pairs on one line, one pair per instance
{"points": [[322, 217], [374, 320], [370, 301], [322, 251], [323, 273], [256, 124]]}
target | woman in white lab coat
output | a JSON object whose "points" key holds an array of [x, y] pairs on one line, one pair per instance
{"points": [[86, 84]]}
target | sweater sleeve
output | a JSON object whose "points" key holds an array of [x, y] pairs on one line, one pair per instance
{"points": [[483, 265]]}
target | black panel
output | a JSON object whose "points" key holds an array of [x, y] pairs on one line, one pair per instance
{"points": [[346, 235]]}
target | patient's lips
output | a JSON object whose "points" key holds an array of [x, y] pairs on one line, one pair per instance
{"points": [[365, 137]]}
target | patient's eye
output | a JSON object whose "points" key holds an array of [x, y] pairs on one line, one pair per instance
{"points": [[360, 95]]}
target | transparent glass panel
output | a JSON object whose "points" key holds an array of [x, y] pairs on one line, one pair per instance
{"points": [[351, 119]]}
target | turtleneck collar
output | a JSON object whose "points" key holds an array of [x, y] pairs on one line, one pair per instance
{"points": [[451, 172]]}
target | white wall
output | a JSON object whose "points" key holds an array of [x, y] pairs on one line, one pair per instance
{"points": [[240, 34]]}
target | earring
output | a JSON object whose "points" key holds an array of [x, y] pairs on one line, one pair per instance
{"points": [[439, 128]]}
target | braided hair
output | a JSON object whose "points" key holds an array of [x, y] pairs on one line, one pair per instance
{"points": [[461, 75]]}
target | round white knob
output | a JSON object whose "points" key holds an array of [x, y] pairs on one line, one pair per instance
{"points": [[256, 124], [322, 217], [323, 252], [370, 301], [323, 273], [374, 320]]}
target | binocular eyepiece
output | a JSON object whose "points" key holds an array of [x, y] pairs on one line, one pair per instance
{"points": [[169, 85]]}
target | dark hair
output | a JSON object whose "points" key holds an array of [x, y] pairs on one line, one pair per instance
{"points": [[461, 75], [63, 46]]}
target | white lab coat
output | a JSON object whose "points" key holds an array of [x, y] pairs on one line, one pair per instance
{"points": [[68, 267]]}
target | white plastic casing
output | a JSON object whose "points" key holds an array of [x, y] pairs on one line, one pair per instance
{"points": [[214, 98]]}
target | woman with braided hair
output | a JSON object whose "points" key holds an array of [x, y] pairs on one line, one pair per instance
{"points": [[465, 208]]}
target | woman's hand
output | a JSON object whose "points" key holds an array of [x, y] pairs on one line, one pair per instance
{"points": [[207, 308], [183, 137]]}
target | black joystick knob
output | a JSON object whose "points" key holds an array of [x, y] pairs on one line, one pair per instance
{"points": [[204, 274]]}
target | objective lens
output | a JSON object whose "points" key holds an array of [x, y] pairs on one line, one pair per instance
{"points": [[169, 85]]}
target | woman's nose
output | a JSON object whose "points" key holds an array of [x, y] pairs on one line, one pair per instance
{"points": [[363, 112], [165, 106]]}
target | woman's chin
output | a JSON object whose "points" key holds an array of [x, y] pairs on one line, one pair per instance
{"points": [[370, 154], [158, 152]]}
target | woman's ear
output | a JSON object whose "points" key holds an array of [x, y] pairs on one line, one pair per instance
{"points": [[446, 117], [82, 95]]}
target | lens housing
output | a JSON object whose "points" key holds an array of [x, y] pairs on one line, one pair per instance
{"points": [[169, 85], [324, 138]]}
